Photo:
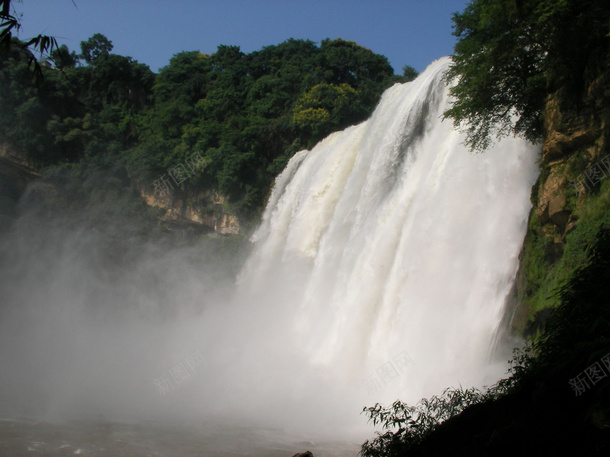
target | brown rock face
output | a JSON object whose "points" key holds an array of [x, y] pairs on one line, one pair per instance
{"points": [[558, 213], [207, 210], [574, 139], [559, 144], [551, 190], [572, 129], [227, 224], [577, 131]]}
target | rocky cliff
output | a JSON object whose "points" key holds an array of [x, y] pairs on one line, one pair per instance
{"points": [[14, 178], [571, 198], [205, 212], [209, 210]]}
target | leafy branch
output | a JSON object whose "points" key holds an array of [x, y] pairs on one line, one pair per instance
{"points": [[409, 425], [43, 44]]}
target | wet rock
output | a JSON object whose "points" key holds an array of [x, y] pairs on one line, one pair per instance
{"points": [[557, 210], [571, 226], [304, 454]]}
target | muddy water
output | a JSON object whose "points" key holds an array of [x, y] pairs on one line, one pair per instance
{"points": [[103, 439]]}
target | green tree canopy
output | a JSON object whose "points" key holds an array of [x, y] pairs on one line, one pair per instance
{"points": [[63, 58], [324, 107], [408, 73], [511, 54], [246, 114], [96, 46]]}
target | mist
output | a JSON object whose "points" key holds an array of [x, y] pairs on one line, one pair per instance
{"points": [[98, 323]]}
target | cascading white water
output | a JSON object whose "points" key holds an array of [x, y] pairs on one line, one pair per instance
{"points": [[379, 272], [386, 253]]}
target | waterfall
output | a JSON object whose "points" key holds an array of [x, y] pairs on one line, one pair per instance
{"points": [[379, 272], [386, 253]]}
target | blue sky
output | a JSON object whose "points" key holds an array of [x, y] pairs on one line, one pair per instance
{"points": [[407, 32]]}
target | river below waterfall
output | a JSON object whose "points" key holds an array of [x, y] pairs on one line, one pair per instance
{"points": [[153, 439]]}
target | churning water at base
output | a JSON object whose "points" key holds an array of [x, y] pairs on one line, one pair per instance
{"points": [[380, 271]]}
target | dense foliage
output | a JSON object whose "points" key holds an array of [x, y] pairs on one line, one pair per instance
{"points": [[248, 114], [511, 54], [244, 115]]}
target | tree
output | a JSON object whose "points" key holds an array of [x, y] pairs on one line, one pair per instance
{"points": [[186, 78], [41, 43], [327, 107], [96, 46], [511, 54], [498, 69], [408, 73], [62, 57]]}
